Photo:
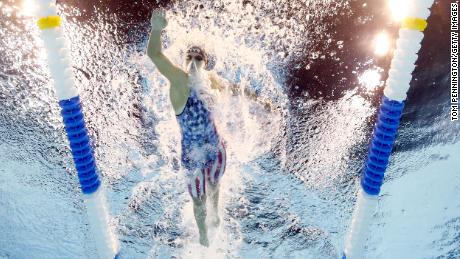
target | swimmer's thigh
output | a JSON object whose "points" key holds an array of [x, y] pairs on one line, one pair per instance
{"points": [[196, 184], [216, 169]]}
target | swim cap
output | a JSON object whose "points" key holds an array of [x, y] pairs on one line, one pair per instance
{"points": [[198, 50]]}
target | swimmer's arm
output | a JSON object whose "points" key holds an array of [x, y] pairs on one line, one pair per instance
{"points": [[174, 74], [179, 90], [221, 84], [251, 95], [216, 82]]}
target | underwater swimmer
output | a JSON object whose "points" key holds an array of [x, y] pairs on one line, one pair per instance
{"points": [[203, 150]]}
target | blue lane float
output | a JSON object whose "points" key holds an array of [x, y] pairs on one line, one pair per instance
{"points": [[80, 144], [381, 145], [400, 74], [82, 151]]}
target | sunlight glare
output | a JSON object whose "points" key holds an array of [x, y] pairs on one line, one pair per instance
{"points": [[399, 8], [381, 44], [370, 79], [29, 7]]}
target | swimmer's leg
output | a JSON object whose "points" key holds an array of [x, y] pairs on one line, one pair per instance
{"points": [[199, 209], [215, 173], [214, 195], [197, 189]]}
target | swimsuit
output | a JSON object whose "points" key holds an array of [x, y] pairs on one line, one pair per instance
{"points": [[203, 152]]}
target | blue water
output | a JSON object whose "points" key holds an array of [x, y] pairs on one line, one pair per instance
{"points": [[293, 171]]}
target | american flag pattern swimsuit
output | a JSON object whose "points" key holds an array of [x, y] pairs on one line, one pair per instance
{"points": [[203, 152]]}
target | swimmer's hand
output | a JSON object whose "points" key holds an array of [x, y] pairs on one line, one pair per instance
{"points": [[158, 20]]}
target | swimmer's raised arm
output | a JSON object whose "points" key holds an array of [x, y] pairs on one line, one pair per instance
{"points": [[175, 75]]}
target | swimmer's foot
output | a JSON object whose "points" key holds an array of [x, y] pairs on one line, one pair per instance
{"points": [[204, 240], [214, 221]]}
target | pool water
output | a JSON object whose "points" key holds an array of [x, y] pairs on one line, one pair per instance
{"points": [[293, 170]]}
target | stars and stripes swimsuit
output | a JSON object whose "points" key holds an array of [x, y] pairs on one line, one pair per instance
{"points": [[203, 152]]}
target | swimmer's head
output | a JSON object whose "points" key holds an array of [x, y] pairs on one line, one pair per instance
{"points": [[196, 58]]}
